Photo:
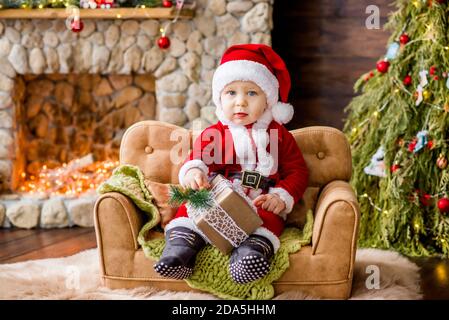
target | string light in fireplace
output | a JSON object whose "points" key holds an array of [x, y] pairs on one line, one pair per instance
{"points": [[72, 179]]}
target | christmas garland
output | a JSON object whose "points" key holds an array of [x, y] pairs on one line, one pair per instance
{"points": [[398, 128], [41, 4]]}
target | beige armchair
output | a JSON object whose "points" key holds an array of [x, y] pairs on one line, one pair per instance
{"points": [[323, 269]]}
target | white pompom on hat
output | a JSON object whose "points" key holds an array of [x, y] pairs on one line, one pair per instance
{"points": [[260, 64]]}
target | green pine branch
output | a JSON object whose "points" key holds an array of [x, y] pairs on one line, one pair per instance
{"points": [[198, 199]]}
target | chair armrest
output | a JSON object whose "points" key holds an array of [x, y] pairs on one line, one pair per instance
{"points": [[337, 216], [117, 222]]}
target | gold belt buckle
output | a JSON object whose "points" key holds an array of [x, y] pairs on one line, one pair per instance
{"points": [[251, 179]]}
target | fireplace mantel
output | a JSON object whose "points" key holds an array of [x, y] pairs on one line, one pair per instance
{"points": [[76, 93], [114, 13]]}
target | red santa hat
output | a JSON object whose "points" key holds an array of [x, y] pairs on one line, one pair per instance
{"points": [[260, 64]]}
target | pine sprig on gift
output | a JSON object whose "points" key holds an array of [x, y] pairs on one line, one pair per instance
{"points": [[196, 198]]}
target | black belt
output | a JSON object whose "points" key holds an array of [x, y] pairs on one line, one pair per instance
{"points": [[252, 179]]}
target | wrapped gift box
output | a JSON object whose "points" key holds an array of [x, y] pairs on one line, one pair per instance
{"points": [[230, 220]]}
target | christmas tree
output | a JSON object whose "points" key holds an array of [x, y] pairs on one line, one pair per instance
{"points": [[398, 127]]}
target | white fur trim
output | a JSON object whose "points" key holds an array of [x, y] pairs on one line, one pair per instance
{"points": [[264, 232], [245, 70], [189, 165], [282, 112], [244, 148], [187, 223], [180, 222], [286, 197]]}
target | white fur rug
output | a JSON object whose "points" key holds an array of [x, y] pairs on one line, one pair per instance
{"points": [[77, 277]]}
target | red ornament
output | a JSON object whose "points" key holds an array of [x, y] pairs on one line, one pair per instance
{"points": [[167, 4], [436, 78], [382, 66], [105, 4], [407, 80], [163, 42], [432, 70], [411, 145], [430, 145], [425, 199], [443, 205], [77, 25], [395, 168], [404, 38]]}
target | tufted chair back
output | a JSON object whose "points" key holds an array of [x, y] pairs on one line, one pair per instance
{"points": [[149, 145], [152, 145]]}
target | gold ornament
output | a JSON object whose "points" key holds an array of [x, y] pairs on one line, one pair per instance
{"points": [[442, 162], [426, 94]]}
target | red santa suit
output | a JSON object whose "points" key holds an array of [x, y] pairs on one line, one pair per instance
{"points": [[238, 150], [265, 146]]}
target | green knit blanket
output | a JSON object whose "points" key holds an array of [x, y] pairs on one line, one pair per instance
{"points": [[211, 267], [130, 181]]}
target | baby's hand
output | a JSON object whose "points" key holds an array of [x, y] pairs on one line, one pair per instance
{"points": [[270, 202], [196, 179]]}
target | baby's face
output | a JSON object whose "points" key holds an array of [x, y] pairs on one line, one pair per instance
{"points": [[243, 102]]}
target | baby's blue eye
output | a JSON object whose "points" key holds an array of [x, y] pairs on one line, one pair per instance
{"points": [[231, 92], [252, 93]]}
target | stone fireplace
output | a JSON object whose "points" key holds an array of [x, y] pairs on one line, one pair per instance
{"points": [[60, 118], [66, 98]]}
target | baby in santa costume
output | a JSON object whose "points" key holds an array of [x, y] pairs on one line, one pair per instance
{"points": [[250, 91]]}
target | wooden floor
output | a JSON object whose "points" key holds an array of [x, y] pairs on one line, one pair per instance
{"points": [[20, 245]]}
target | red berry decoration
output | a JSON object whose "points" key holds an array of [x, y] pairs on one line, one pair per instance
{"points": [[163, 42], [77, 25], [443, 205], [382, 66], [411, 145], [395, 168], [407, 80], [425, 199], [404, 38], [432, 70], [167, 4]]}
